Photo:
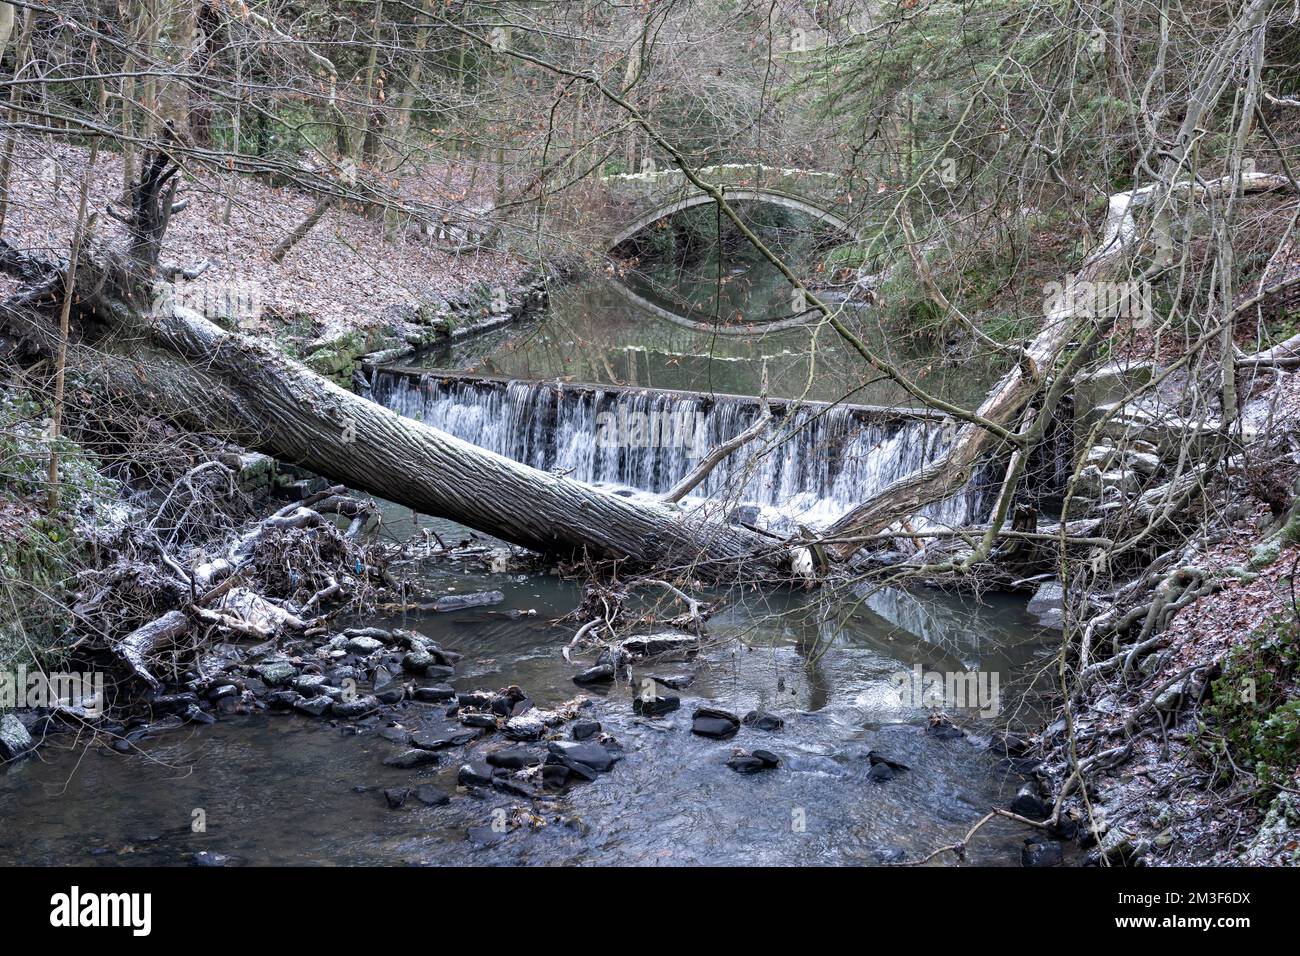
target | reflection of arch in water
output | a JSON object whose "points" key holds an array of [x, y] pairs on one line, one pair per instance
{"points": [[662, 310]]}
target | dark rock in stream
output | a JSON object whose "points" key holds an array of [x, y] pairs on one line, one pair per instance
{"points": [[441, 739], [390, 695], [282, 701], [437, 694], [513, 758], [428, 661], [398, 735], [482, 721], [883, 768], [431, 796], [655, 706], [315, 706], [1064, 828], [714, 723], [600, 674], [878, 759], [176, 703], [585, 729], [1029, 803], [755, 762], [228, 706], [476, 773], [595, 756], [528, 725], [555, 775], [311, 685], [197, 715], [1041, 854], [364, 646], [274, 674], [514, 787], [396, 797], [411, 759], [762, 720], [358, 707], [572, 768], [941, 727]]}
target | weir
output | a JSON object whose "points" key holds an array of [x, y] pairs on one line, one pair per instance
{"points": [[816, 461]]}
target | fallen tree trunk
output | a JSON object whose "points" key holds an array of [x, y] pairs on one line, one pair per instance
{"points": [[136, 647], [184, 367]]}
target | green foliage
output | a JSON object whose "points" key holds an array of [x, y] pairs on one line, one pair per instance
{"points": [[38, 551], [1256, 724], [1009, 326], [849, 255]]}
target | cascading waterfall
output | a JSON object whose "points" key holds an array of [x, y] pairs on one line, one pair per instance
{"points": [[814, 464]]}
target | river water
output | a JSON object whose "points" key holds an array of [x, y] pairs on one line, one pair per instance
{"points": [[289, 789]]}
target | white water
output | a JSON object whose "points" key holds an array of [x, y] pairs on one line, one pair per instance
{"points": [[812, 466]]}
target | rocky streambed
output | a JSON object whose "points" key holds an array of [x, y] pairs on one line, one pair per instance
{"points": [[459, 735]]}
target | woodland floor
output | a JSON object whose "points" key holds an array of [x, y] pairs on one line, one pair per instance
{"points": [[345, 275]]}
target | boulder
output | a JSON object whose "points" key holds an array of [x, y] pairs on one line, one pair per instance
{"points": [[431, 796], [363, 646], [655, 706], [474, 774], [529, 725], [595, 756], [276, 673], [1029, 803], [15, 741], [762, 720], [309, 685], [437, 694], [357, 707], [1041, 854], [441, 739], [714, 723], [411, 759], [600, 674], [314, 706], [513, 758], [755, 762]]}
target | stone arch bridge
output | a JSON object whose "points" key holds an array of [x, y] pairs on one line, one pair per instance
{"points": [[637, 200]]}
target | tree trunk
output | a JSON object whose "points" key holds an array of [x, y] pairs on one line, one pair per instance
{"points": [[186, 368]]}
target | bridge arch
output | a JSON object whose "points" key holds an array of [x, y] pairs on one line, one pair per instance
{"points": [[743, 194]]}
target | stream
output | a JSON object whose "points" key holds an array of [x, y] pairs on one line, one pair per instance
{"points": [[286, 789]]}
